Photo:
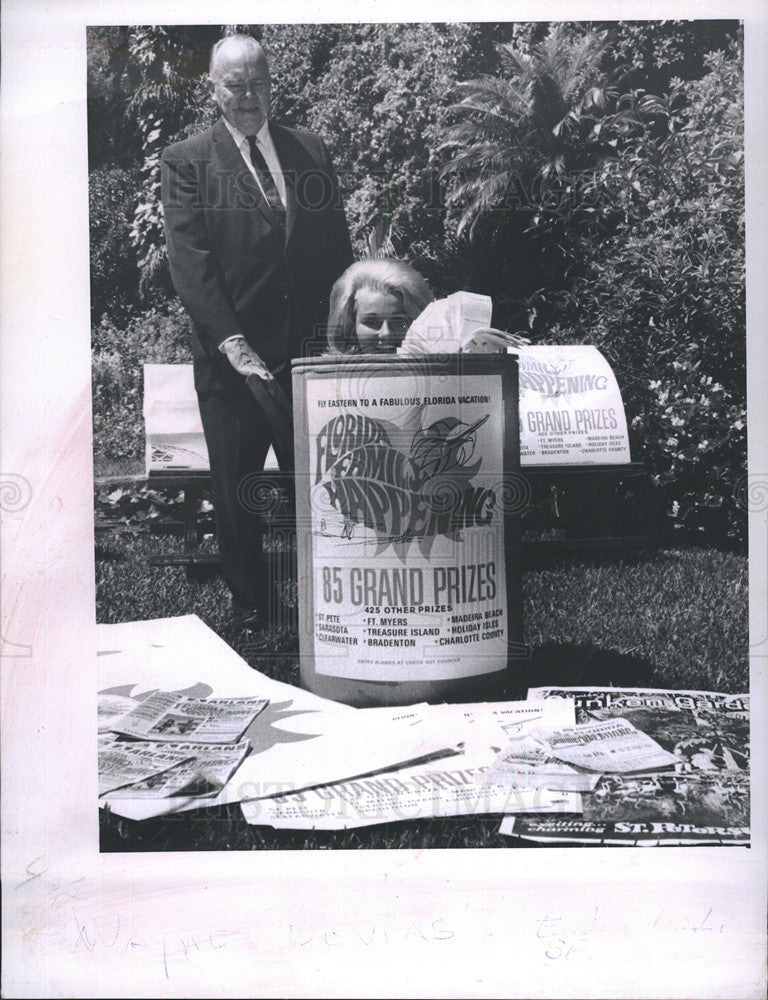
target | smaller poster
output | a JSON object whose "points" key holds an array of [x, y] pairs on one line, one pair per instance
{"points": [[571, 411], [606, 745], [174, 431]]}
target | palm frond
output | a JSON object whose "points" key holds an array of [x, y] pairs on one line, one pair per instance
{"points": [[378, 240], [529, 120]]}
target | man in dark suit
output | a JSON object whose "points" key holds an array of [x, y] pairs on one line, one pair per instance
{"points": [[256, 236]]}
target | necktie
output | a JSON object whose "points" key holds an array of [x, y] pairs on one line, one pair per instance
{"points": [[267, 181]]}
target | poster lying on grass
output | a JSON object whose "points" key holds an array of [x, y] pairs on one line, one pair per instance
{"points": [[702, 799], [453, 786], [411, 793], [571, 412]]}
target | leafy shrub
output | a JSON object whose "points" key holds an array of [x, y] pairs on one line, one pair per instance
{"points": [[695, 434], [134, 504], [641, 200], [655, 234], [112, 195], [119, 354]]}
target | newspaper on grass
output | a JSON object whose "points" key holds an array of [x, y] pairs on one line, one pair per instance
{"points": [[610, 745], [202, 770], [166, 717], [704, 799], [526, 764], [455, 786], [111, 708], [123, 763]]}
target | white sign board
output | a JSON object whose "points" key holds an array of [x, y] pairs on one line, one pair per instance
{"points": [[174, 433], [571, 411]]}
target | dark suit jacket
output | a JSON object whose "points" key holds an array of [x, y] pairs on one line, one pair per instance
{"points": [[234, 267]]}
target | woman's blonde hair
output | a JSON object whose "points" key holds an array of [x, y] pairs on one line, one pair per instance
{"points": [[380, 274]]}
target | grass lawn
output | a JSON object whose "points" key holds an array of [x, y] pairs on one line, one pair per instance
{"points": [[673, 618]]}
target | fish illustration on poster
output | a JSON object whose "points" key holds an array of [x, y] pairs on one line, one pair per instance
{"points": [[406, 526]]}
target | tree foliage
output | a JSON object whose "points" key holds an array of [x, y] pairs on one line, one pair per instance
{"points": [[114, 271], [655, 234], [525, 123], [586, 175]]}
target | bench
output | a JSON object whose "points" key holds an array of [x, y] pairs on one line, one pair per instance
{"points": [[584, 502]]}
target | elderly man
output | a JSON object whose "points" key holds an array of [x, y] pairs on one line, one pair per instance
{"points": [[256, 236]]}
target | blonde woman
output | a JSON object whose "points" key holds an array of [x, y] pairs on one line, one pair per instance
{"points": [[373, 304]]}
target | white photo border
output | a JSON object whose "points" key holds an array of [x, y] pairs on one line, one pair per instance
{"points": [[536, 923]]}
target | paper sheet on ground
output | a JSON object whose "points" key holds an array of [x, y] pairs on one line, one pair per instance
{"points": [[298, 740], [451, 787]]}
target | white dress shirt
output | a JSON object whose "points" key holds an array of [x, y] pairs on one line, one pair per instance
{"points": [[268, 151]]}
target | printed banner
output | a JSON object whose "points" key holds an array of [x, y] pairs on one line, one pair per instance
{"points": [[174, 431], [407, 526], [571, 411], [453, 786]]}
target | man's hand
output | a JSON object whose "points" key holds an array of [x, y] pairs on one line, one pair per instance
{"points": [[244, 359]]}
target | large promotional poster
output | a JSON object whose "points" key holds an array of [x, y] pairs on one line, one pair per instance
{"points": [[406, 525], [571, 411]]}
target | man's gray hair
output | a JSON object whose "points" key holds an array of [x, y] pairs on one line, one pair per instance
{"points": [[243, 42]]}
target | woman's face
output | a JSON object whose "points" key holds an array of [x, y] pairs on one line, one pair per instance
{"points": [[380, 321]]}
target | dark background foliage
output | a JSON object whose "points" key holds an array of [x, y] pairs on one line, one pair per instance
{"points": [[588, 176]]}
